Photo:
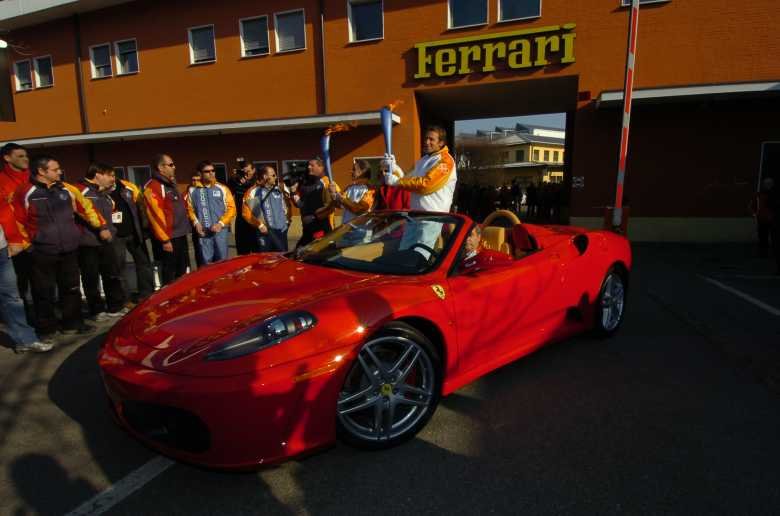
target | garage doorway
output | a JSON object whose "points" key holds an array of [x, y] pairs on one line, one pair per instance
{"points": [[507, 134]]}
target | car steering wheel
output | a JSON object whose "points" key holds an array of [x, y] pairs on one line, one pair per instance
{"points": [[433, 254]]}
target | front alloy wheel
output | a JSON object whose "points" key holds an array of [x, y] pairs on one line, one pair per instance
{"points": [[391, 391]]}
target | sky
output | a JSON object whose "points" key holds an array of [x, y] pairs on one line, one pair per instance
{"points": [[557, 120]]}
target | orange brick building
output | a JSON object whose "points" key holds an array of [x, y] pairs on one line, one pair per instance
{"points": [[119, 81]]}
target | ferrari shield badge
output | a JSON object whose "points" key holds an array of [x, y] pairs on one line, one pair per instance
{"points": [[439, 291]]}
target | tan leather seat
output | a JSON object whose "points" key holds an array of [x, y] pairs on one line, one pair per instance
{"points": [[497, 239]]}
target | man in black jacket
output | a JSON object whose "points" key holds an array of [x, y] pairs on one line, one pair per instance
{"points": [[47, 209], [97, 257], [130, 222]]}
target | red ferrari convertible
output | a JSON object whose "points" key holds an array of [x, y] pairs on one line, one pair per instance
{"points": [[356, 336]]}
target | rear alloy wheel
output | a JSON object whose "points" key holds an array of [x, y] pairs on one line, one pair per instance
{"points": [[392, 389], [611, 303]]}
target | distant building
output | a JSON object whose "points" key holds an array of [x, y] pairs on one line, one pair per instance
{"points": [[528, 153]]}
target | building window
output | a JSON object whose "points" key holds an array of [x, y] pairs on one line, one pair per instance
{"points": [[120, 173], [221, 173], [290, 31], [295, 168], [366, 21], [555, 156], [44, 76], [254, 36], [504, 156], [536, 154], [202, 46], [139, 175], [509, 10], [520, 155], [467, 13], [23, 75], [100, 57], [546, 156], [126, 57]]}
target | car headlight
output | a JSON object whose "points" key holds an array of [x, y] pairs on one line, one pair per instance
{"points": [[266, 334]]}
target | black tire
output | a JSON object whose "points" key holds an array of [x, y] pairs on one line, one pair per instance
{"points": [[395, 345], [607, 326]]}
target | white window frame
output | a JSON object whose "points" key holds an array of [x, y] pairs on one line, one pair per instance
{"points": [[17, 82], [92, 61], [189, 44], [498, 7], [34, 71], [276, 34], [350, 30], [131, 170], [137, 56], [627, 3], [241, 35], [449, 18]]}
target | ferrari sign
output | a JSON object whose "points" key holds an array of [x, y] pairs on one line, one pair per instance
{"points": [[514, 50]]}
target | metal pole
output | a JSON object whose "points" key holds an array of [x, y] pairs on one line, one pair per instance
{"points": [[628, 90]]}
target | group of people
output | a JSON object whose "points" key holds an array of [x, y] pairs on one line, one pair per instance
{"points": [[529, 201], [56, 237]]}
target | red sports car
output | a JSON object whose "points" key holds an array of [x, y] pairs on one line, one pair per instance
{"points": [[356, 336]]}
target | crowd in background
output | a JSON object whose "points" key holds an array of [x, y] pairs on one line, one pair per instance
{"points": [[542, 202]]}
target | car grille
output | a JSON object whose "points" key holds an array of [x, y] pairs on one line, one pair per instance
{"points": [[169, 426]]}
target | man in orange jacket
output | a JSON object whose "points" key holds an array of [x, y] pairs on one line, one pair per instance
{"points": [[15, 172]]}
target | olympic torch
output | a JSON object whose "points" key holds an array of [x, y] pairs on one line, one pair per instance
{"points": [[325, 144], [386, 119]]}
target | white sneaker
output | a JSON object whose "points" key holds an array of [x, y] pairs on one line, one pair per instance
{"points": [[118, 313], [35, 347]]}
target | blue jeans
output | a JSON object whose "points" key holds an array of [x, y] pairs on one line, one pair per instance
{"points": [[214, 246], [11, 306]]}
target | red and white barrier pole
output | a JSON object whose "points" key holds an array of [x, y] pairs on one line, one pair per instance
{"points": [[628, 90]]}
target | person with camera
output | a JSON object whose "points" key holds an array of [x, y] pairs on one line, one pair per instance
{"points": [[312, 197], [211, 209], [243, 179], [358, 197], [267, 208]]}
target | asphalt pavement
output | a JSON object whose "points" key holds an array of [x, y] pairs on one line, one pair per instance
{"points": [[677, 414]]}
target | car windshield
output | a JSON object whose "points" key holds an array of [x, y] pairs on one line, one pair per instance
{"points": [[385, 243]]}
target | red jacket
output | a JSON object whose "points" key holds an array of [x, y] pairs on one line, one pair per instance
{"points": [[392, 198], [10, 180], [8, 222]]}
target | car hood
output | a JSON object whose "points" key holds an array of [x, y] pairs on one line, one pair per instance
{"points": [[221, 300]]}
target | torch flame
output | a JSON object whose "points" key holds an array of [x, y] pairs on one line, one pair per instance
{"points": [[340, 128], [394, 104]]}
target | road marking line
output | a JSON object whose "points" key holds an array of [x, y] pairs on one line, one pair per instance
{"points": [[769, 308], [114, 494]]}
